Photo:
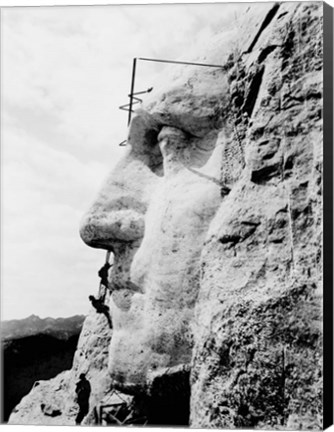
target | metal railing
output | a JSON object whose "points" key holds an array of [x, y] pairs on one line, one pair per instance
{"points": [[133, 95]]}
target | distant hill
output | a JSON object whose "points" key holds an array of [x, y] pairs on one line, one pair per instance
{"points": [[35, 349], [61, 328]]}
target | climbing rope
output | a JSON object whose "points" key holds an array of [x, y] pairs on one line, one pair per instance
{"points": [[108, 256]]}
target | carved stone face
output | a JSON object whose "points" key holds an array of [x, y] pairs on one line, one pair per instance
{"points": [[153, 212]]}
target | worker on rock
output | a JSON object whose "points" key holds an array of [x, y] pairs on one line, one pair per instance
{"points": [[101, 308], [82, 390], [103, 274]]}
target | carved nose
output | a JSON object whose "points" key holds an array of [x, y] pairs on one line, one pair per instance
{"points": [[117, 215], [102, 229]]}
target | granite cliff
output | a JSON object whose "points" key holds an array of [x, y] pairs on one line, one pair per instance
{"points": [[35, 349], [217, 240]]}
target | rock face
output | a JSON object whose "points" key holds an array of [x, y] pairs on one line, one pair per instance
{"points": [[257, 355], [30, 359], [214, 216], [35, 349], [52, 402]]}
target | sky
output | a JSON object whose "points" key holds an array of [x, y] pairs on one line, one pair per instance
{"points": [[65, 71]]}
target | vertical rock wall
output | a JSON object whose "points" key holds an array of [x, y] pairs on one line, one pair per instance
{"points": [[58, 394], [258, 337]]}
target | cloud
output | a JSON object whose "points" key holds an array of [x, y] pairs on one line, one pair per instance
{"points": [[45, 193], [65, 71]]}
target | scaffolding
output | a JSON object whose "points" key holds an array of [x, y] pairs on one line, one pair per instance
{"points": [[117, 410]]}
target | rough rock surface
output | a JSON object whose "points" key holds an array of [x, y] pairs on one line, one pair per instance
{"points": [[214, 216], [53, 402], [258, 337], [29, 359]]}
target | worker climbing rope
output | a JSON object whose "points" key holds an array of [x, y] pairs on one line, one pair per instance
{"points": [[100, 307], [104, 275], [98, 303]]}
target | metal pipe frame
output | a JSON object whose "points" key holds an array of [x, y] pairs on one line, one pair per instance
{"points": [[128, 107]]}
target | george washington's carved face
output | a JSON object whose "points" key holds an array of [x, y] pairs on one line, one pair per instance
{"points": [[153, 212]]}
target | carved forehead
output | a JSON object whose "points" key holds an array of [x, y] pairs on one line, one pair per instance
{"points": [[193, 99]]}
